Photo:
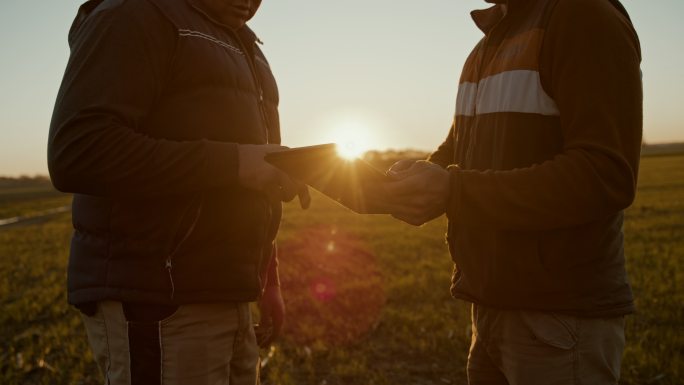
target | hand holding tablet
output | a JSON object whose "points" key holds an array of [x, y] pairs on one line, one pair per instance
{"points": [[353, 183]]}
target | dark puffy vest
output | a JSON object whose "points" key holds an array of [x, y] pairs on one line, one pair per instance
{"points": [[206, 247]]}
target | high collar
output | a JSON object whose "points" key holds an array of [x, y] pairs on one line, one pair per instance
{"points": [[510, 3], [486, 19]]}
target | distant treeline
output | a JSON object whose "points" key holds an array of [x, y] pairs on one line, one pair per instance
{"points": [[24, 181], [662, 149]]}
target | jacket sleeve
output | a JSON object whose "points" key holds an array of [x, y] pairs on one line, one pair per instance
{"points": [[444, 155], [590, 66], [119, 59]]}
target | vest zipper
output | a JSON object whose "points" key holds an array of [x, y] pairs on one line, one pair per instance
{"points": [[257, 83], [264, 121], [168, 262], [262, 108], [252, 66], [169, 267]]}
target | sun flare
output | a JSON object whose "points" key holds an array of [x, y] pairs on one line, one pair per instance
{"points": [[350, 150], [351, 139]]}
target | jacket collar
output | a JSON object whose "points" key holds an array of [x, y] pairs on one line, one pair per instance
{"points": [[486, 19]]}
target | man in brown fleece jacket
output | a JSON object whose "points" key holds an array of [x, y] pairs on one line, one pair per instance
{"points": [[540, 162]]}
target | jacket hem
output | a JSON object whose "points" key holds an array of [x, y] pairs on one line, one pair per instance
{"points": [[617, 310]]}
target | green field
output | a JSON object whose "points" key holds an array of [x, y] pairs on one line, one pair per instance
{"points": [[367, 296]]}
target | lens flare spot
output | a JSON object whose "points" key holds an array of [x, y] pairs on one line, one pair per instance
{"points": [[337, 297], [330, 247], [323, 290]]}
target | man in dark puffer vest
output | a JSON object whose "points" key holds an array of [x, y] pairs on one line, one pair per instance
{"points": [[165, 113], [542, 159]]}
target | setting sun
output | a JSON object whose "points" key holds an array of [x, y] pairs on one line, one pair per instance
{"points": [[350, 150], [352, 139]]}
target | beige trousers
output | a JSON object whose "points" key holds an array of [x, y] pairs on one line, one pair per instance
{"points": [[537, 348], [199, 344]]}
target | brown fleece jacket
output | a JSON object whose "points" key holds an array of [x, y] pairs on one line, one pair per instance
{"points": [[547, 138]]}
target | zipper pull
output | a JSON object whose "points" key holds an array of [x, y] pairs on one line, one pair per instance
{"points": [[169, 267]]}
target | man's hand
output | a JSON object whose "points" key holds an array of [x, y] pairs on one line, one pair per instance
{"points": [[257, 174], [272, 316], [420, 192]]}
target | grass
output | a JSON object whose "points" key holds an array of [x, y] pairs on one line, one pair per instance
{"points": [[367, 296], [15, 202], [654, 232]]}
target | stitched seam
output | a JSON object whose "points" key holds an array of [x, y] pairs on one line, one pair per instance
{"points": [[128, 342], [161, 354], [109, 352], [189, 33]]}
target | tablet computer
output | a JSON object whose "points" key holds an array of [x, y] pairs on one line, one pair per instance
{"points": [[349, 182]]}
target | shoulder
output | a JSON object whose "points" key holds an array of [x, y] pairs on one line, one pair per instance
{"points": [[594, 36], [120, 8], [125, 16], [606, 12], [591, 20]]}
